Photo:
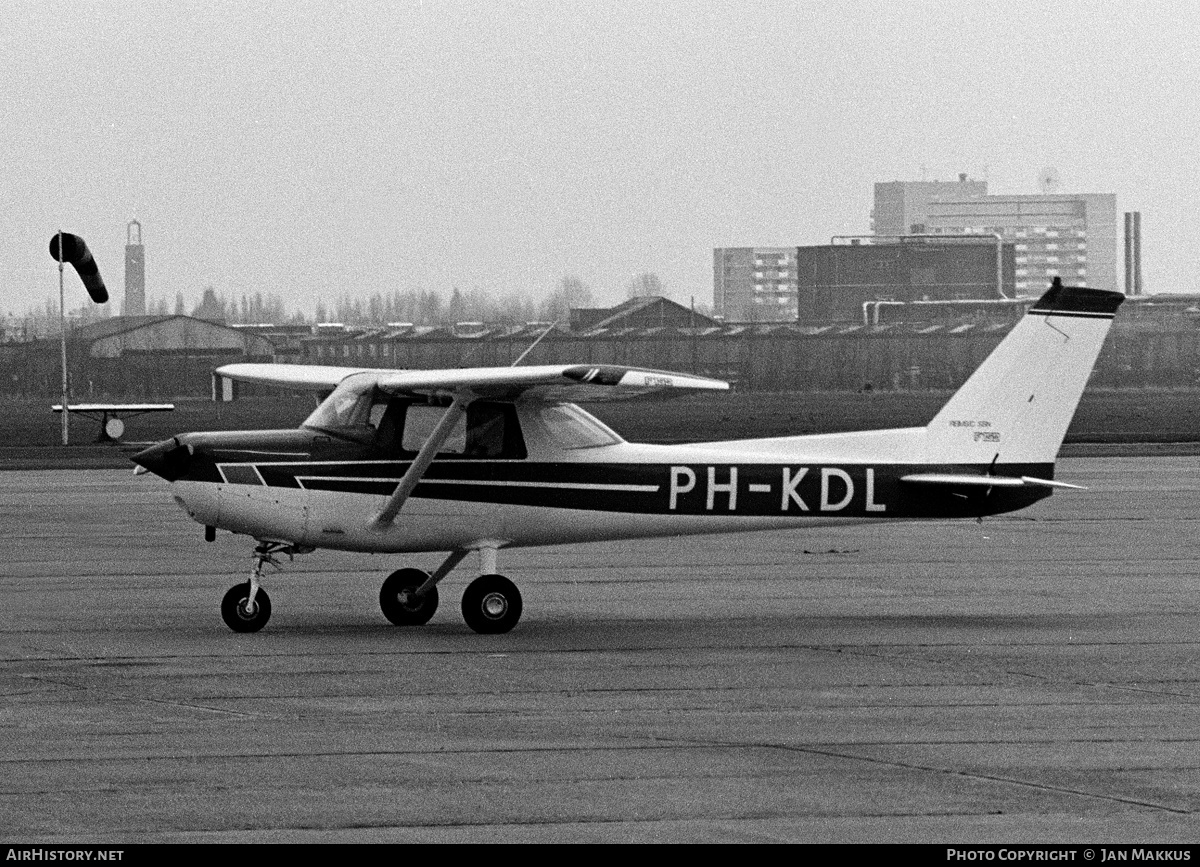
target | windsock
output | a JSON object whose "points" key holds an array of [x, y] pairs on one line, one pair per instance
{"points": [[75, 251]]}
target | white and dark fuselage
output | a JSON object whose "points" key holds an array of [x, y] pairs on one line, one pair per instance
{"points": [[314, 489]]}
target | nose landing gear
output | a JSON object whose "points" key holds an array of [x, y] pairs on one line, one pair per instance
{"points": [[247, 607]]}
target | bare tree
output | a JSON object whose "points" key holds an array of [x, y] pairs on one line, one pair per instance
{"points": [[571, 293], [644, 285], [211, 306]]}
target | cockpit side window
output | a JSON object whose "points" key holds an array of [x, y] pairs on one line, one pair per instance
{"points": [[390, 425], [398, 426], [493, 431], [490, 430], [419, 423]]}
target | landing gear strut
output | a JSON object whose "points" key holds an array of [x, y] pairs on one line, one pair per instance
{"points": [[247, 607], [491, 603], [400, 601]]}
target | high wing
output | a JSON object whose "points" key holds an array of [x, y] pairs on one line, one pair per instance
{"points": [[552, 383], [300, 377]]}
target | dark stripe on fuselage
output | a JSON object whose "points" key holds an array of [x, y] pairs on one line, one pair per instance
{"points": [[826, 490]]}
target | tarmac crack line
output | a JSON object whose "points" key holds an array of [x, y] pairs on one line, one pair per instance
{"points": [[121, 697], [970, 775], [1006, 672]]}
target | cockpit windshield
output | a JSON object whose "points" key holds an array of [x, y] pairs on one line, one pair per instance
{"points": [[352, 409]]}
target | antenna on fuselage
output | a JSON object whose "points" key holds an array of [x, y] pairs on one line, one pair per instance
{"points": [[529, 349]]}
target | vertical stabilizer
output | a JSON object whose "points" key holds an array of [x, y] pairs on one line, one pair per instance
{"points": [[1016, 407]]}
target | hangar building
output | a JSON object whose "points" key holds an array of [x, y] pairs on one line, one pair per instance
{"points": [[132, 356]]}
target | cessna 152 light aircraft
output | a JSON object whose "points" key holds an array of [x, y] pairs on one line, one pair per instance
{"points": [[479, 460]]}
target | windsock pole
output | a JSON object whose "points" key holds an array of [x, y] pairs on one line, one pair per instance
{"points": [[62, 326]]}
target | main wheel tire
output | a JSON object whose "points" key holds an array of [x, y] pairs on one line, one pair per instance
{"points": [[399, 605], [235, 613], [491, 604]]}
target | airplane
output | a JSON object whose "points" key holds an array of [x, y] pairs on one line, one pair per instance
{"points": [[111, 415], [486, 459]]}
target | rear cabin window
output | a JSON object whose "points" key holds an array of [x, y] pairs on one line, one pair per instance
{"points": [[572, 428]]}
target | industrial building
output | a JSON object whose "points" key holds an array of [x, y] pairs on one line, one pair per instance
{"points": [[1035, 238], [832, 283], [854, 281], [1072, 236]]}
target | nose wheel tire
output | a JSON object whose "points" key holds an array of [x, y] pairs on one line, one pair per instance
{"points": [[491, 604], [239, 615], [401, 605]]}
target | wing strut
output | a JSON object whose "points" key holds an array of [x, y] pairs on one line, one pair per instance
{"points": [[437, 438]]}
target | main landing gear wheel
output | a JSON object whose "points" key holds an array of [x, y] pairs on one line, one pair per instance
{"points": [[491, 604], [239, 615], [401, 605]]}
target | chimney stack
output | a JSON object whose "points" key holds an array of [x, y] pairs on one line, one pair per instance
{"points": [[1133, 253]]}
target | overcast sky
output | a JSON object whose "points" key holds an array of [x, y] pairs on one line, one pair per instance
{"points": [[314, 149]]}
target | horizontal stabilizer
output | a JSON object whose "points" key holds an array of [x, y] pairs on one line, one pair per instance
{"points": [[955, 480], [115, 407]]}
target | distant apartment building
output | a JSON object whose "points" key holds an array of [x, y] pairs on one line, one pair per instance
{"points": [[755, 284], [1072, 236], [903, 206]]}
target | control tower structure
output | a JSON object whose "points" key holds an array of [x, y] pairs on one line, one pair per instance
{"points": [[135, 270]]}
